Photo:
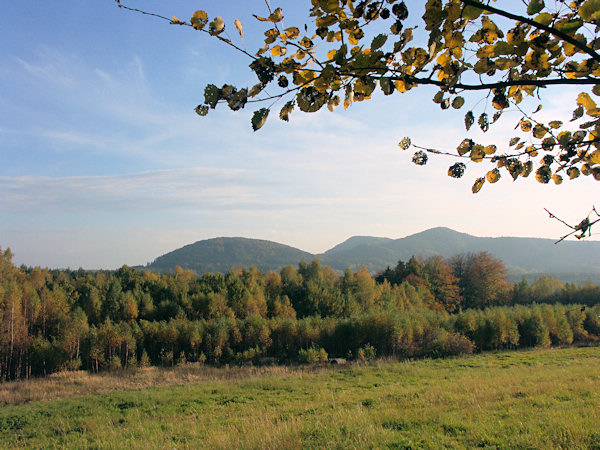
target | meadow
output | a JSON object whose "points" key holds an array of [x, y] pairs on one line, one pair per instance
{"points": [[546, 398]]}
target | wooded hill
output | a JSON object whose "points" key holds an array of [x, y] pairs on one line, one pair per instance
{"points": [[569, 261]]}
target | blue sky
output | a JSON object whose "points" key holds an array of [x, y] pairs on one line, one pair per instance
{"points": [[103, 161]]}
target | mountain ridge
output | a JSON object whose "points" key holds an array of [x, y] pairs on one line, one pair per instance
{"points": [[521, 255]]}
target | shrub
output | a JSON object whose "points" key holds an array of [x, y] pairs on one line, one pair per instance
{"points": [[72, 364], [114, 363], [144, 360], [366, 353], [312, 355]]}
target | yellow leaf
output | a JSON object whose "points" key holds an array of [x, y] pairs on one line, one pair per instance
{"points": [[594, 158], [331, 53], [400, 86], [238, 26], [586, 101], [443, 59], [573, 172], [292, 32], [586, 169], [594, 112], [477, 185], [477, 154], [489, 149], [278, 50], [557, 179], [526, 126], [199, 19], [493, 175]]}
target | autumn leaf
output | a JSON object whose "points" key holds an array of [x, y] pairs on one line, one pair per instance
{"points": [[478, 185], [259, 118]]}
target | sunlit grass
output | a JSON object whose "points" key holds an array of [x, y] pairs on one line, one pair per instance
{"points": [[541, 399]]}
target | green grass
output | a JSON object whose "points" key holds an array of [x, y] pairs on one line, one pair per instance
{"points": [[529, 399]]}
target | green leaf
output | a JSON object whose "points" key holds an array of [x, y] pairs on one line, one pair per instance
{"points": [[238, 100], [535, 6], [458, 102], [201, 110], [568, 26], [387, 85], [378, 42], [310, 99], [212, 94], [469, 120], [471, 12], [543, 18], [527, 169], [483, 122], [259, 118], [590, 10], [539, 131]]}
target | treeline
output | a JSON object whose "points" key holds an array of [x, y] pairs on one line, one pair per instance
{"points": [[58, 320]]}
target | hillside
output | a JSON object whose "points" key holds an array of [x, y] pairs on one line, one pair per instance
{"points": [[573, 260], [223, 254]]}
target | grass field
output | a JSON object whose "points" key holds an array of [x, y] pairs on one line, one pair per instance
{"points": [[527, 399]]}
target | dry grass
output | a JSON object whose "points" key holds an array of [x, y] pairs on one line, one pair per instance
{"points": [[80, 383]]}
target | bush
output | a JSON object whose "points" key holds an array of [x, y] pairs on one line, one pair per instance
{"points": [[144, 360], [73, 364], [312, 355], [114, 363], [441, 343], [366, 353]]}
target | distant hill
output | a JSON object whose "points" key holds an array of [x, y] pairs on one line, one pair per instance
{"points": [[522, 256], [224, 253]]}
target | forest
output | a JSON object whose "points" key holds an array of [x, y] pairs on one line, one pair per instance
{"points": [[56, 320]]}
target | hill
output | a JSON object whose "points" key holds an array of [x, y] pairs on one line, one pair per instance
{"points": [[573, 260], [521, 255], [225, 253]]}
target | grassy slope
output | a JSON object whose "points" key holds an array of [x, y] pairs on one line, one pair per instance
{"points": [[542, 399]]}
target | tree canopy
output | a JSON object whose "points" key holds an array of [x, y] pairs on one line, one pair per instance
{"points": [[478, 58]]}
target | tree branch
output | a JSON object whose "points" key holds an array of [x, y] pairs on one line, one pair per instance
{"points": [[533, 23]]}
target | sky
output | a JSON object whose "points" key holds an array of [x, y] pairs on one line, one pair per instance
{"points": [[103, 161]]}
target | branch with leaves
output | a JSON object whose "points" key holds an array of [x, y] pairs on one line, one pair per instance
{"points": [[469, 48], [583, 227]]}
